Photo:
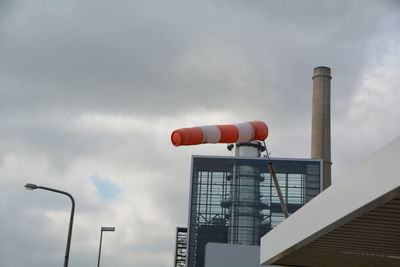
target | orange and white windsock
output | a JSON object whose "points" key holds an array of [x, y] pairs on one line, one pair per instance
{"points": [[230, 133]]}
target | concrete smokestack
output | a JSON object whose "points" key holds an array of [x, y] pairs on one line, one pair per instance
{"points": [[321, 121]]}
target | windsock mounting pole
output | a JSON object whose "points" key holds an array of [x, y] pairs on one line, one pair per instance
{"points": [[276, 182]]}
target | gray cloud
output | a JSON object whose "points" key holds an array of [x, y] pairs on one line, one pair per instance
{"points": [[135, 56]]}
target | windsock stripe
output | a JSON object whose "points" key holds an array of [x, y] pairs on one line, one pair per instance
{"points": [[229, 133], [246, 132], [211, 134], [260, 130], [187, 136]]}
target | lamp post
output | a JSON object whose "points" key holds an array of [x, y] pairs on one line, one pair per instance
{"points": [[71, 220], [110, 229]]}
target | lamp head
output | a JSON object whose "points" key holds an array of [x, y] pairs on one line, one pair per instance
{"points": [[112, 229], [31, 186]]}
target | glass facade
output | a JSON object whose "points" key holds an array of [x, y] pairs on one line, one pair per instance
{"points": [[233, 200]]}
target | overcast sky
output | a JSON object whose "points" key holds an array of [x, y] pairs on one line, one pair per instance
{"points": [[91, 90]]}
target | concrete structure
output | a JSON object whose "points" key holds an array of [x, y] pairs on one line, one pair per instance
{"points": [[245, 202], [231, 255], [321, 120], [355, 222]]}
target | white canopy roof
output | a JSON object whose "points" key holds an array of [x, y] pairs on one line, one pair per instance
{"points": [[355, 222]]}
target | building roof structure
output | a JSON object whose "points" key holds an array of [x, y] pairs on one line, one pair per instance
{"points": [[355, 222]]}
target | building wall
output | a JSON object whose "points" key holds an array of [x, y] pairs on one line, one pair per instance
{"points": [[232, 255]]}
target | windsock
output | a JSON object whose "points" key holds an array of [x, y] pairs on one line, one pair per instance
{"points": [[230, 133]]}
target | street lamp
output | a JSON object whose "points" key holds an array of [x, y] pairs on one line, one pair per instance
{"points": [[71, 220], [109, 229]]}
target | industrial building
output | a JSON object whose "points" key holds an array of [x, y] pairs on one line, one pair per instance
{"points": [[180, 247], [233, 200], [234, 204]]}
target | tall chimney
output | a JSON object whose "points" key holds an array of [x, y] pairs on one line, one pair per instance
{"points": [[321, 121]]}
